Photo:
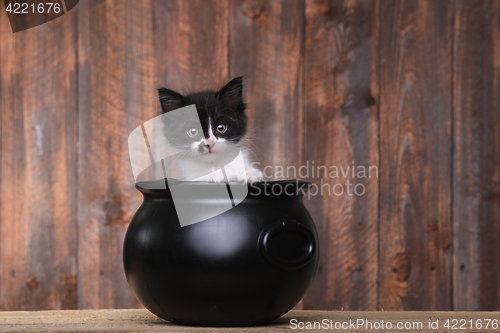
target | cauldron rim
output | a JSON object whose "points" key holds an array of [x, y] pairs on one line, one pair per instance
{"points": [[160, 186]]}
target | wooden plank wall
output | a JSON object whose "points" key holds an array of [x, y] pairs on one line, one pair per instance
{"points": [[38, 200], [415, 149], [476, 156], [341, 88], [116, 92], [409, 87]]}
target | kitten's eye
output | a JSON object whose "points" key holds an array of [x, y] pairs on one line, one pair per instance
{"points": [[222, 128], [192, 132]]}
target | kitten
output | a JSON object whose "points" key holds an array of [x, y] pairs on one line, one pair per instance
{"points": [[221, 136]]}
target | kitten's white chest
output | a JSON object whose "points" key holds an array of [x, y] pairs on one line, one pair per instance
{"points": [[239, 170]]}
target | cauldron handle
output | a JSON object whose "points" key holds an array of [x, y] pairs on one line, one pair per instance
{"points": [[266, 239]]}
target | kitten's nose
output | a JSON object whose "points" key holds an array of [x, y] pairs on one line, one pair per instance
{"points": [[210, 143]]}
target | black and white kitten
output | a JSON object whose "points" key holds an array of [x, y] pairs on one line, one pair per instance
{"points": [[223, 133]]}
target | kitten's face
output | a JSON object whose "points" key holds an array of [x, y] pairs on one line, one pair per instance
{"points": [[218, 128]]}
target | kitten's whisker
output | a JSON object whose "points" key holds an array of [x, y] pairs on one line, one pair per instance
{"points": [[247, 139], [177, 157], [256, 157]]}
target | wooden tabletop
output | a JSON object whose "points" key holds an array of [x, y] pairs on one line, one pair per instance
{"points": [[145, 321]]}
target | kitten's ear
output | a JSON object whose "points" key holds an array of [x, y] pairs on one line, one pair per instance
{"points": [[232, 93], [170, 100]]}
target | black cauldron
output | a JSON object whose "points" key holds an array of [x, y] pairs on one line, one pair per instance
{"points": [[246, 266]]}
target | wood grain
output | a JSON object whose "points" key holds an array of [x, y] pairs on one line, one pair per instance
{"points": [[117, 80], [415, 153], [192, 44], [38, 166], [272, 65], [476, 181], [411, 87], [341, 92], [144, 321], [266, 46]]}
